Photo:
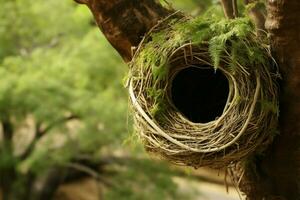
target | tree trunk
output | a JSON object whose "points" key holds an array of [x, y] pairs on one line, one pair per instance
{"points": [[277, 175]]}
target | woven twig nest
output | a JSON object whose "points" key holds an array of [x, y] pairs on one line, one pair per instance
{"points": [[248, 119]]}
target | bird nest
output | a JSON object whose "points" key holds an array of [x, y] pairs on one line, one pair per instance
{"points": [[203, 91]]}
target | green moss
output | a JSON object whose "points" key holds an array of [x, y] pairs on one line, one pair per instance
{"points": [[157, 111], [159, 105], [269, 106]]}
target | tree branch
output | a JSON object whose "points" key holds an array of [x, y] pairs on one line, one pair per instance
{"points": [[56, 123], [39, 133], [125, 22]]}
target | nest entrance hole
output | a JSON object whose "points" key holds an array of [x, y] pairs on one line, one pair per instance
{"points": [[200, 93]]}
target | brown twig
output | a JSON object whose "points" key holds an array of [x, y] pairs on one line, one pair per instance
{"points": [[228, 8], [235, 8]]}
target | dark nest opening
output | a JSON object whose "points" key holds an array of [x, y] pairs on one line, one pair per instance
{"points": [[200, 93]]}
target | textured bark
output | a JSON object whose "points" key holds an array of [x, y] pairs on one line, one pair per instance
{"points": [[125, 22], [277, 175]]}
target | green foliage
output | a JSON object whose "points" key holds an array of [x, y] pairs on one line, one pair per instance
{"points": [[7, 160], [269, 106], [52, 81], [20, 33], [158, 96]]}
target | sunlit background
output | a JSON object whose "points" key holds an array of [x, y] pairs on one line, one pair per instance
{"points": [[65, 130]]}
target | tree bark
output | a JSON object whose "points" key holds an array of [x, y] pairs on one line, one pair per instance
{"points": [[125, 22], [277, 174]]}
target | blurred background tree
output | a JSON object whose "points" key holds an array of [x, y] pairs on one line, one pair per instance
{"points": [[63, 108]]}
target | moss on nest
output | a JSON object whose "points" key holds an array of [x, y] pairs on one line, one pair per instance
{"points": [[230, 46]]}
